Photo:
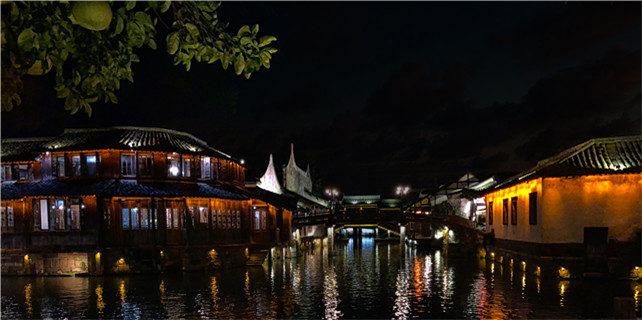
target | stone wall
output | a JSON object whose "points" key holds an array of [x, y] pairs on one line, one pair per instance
{"points": [[45, 264]]}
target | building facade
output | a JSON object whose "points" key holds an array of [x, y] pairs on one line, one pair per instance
{"points": [[128, 199], [580, 208]]}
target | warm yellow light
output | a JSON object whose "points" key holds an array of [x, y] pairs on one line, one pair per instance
{"points": [[121, 260], [563, 273], [162, 253], [26, 257], [97, 255]]}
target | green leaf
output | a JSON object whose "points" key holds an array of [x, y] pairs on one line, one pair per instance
{"points": [[193, 31], [172, 43], [265, 40], [26, 39], [165, 6], [265, 59], [243, 30], [270, 50], [245, 40], [152, 44], [143, 19], [15, 12], [130, 4], [120, 25], [239, 64], [255, 29]]}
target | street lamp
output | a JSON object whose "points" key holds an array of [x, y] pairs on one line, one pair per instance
{"points": [[333, 193], [402, 190]]}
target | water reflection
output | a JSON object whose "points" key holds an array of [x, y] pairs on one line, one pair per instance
{"points": [[363, 279], [563, 290], [100, 301], [28, 302], [401, 307], [331, 295]]}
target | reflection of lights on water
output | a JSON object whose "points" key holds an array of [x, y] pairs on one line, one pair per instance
{"points": [[28, 303], [636, 295], [401, 307], [427, 276], [247, 283], [537, 282], [563, 289], [523, 284], [331, 294], [100, 302], [214, 292], [448, 287], [122, 291]]}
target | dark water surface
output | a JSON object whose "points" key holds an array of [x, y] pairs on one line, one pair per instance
{"points": [[362, 280]]}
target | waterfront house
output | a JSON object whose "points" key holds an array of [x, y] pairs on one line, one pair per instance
{"points": [[580, 208], [129, 199]]}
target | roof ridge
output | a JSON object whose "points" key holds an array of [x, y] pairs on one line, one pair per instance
{"points": [[147, 129], [31, 139]]}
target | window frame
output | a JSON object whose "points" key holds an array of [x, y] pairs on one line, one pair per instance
{"points": [[490, 213], [505, 212], [141, 165], [513, 211], [132, 164], [532, 208], [169, 158]]}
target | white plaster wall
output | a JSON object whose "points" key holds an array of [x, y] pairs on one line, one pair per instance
{"points": [[570, 204], [522, 231]]}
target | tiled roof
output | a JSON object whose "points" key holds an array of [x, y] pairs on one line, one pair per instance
{"points": [[596, 156], [26, 149], [113, 187], [132, 138]]}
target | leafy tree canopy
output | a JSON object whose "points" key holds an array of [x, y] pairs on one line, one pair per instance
{"points": [[90, 45]]}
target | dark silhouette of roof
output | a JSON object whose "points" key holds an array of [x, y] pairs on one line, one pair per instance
{"points": [[596, 156], [123, 138]]}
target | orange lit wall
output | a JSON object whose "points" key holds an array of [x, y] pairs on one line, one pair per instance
{"points": [[570, 204], [565, 206], [523, 231]]}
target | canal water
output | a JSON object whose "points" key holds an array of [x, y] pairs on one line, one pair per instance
{"points": [[363, 279]]}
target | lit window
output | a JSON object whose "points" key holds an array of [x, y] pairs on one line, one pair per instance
{"points": [[505, 212], [532, 208], [257, 220], [128, 164], [145, 162], [144, 219], [24, 172], [134, 218], [40, 214], [6, 172], [75, 216], [125, 212], [513, 211], [75, 165], [91, 165], [172, 165], [206, 168], [490, 213], [60, 166], [6, 217], [187, 166], [59, 214]]}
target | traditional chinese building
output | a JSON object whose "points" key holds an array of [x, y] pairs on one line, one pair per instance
{"points": [[129, 199], [579, 209]]}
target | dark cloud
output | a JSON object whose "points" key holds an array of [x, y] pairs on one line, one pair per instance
{"points": [[573, 30]]}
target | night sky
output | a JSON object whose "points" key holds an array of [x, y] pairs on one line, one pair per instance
{"points": [[374, 94]]}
